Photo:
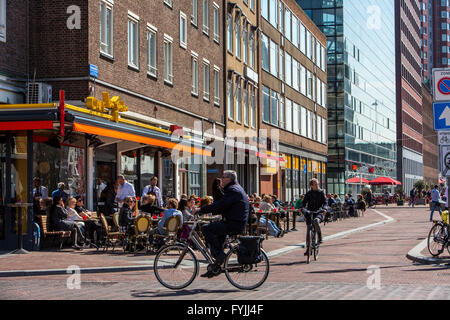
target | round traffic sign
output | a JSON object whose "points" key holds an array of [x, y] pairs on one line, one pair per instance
{"points": [[444, 86], [447, 160]]}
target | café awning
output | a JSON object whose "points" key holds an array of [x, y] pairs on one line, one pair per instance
{"points": [[357, 180], [383, 181]]}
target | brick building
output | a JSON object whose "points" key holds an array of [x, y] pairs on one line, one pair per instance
{"points": [[409, 93], [242, 91], [430, 146], [441, 33], [293, 98]]}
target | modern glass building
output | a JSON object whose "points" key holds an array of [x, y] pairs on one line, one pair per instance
{"points": [[361, 88]]}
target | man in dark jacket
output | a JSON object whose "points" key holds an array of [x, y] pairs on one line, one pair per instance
{"points": [[315, 203], [234, 208]]}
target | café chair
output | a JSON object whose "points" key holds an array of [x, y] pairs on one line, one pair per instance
{"points": [[171, 226], [142, 226], [111, 238]]}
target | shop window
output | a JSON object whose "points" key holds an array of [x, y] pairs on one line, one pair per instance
{"points": [[128, 167]]}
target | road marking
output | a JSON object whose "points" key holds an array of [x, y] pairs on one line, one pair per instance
{"points": [[342, 234], [415, 254]]}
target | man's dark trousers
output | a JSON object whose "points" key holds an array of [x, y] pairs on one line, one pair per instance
{"points": [[215, 234]]}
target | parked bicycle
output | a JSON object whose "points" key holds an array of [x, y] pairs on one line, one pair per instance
{"points": [[438, 238], [177, 265]]}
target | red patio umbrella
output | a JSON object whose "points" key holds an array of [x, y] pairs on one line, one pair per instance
{"points": [[382, 181], [357, 180]]}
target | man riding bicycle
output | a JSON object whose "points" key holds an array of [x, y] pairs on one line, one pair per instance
{"points": [[234, 208], [315, 203]]}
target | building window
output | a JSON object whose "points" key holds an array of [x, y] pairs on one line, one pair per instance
{"points": [[230, 33], [252, 5], [281, 65], [303, 123], [303, 38], [266, 104], [194, 65], [246, 110], [216, 86], [265, 9], [168, 59], [230, 99], [238, 101], [252, 50], [151, 51], [296, 118], [273, 13], [133, 40], [206, 80], [194, 14], [253, 107], [288, 66], [273, 58], [287, 24], [216, 17], [245, 44], [309, 85], [237, 33], [183, 30], [295, 74], [295, 31], [206, 16], [168, 2], [274, 107], [106, 26], [288, 115], [281, 107], [265, 52], [308, 45], [303, 80]]}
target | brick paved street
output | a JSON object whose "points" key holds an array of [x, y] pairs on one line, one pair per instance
{"points": [[340, 272]]}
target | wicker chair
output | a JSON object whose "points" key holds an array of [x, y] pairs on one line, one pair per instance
{"points": [[142, 226], [116, 220], [171, 226], [111, 238]]}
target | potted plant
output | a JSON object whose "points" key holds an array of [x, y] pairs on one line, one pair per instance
{"points": [[400, 196], [420, 186]]}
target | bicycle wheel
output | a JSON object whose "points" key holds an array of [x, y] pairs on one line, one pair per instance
{"points": [[315, 245], [246, 277], [436, 240], [309, 247], [176, 266]]}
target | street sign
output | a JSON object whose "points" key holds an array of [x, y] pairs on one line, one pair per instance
{"points": [[441, 115], [93, 70], [445, 159], [441, 85], [444, 138]]}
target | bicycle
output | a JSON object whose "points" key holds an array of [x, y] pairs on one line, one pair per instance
{"points": [[312, 244], [176, 266], [438, 238]]}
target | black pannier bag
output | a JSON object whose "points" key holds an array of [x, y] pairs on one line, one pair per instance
{"points": [[249, 250]]}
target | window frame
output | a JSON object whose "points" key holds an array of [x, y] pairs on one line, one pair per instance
{"points": [[206, 76], [205, 17], [194, 78], [183, 16], [168, 73], [216, 22], [108, 5], [216, 76], [152, 30], [133, 19], [194, 13]]}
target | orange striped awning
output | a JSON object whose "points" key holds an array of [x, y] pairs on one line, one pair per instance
{"points": [[138, 138]]}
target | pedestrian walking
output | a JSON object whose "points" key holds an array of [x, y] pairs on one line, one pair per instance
{"points": [[435, 201], [412, 195]]}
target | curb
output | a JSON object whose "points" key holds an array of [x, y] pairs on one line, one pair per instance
{"points": [[415, 255], [48, 272]]}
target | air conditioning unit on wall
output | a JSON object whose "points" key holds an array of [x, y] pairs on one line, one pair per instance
{"points": [[39, 92]]}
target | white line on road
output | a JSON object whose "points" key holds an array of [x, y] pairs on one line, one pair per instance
{"points": [[288, 249]]}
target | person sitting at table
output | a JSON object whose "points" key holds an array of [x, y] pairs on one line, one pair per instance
{"points": [[126, 219], [191, 204], [217, 190], [267, 206], [148, 206], [59, 221], [73, 215], [183, 208], [172, 205], [92, 226]]}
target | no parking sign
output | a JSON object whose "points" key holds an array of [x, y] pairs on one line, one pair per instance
{"points": [[441, 84]]}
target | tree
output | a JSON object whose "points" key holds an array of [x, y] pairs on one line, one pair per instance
{"points": [[420, 186]]}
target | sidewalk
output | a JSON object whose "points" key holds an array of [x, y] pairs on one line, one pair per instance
{"points": [[50, 261]]}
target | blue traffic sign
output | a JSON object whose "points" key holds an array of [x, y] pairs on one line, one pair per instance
{"points": [[441, 115], [93, 71]]}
